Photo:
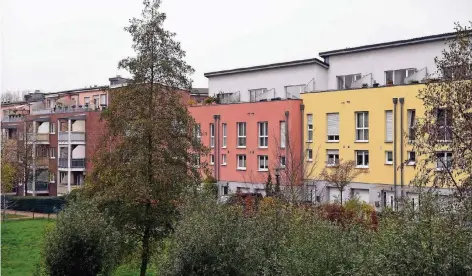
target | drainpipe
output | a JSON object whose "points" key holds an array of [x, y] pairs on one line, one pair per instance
{"points": [[395, 101], [33, 183], [215, 124], [402, 101], [218, 149], [302, 148], [287, 137], [69, 154]]}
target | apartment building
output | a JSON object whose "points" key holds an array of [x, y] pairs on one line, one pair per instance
{"points": [[348, 110]]}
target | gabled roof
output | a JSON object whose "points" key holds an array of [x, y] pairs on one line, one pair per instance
{"points": [[417, 40], [268, 66]]}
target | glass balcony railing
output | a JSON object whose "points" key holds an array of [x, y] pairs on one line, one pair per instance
{"points": [[76, 163], [40, 186], [75, 136], [38, 137]]}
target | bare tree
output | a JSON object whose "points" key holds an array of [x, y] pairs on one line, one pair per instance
{"points": [[443, 136], [13, 96], [342, 174]]}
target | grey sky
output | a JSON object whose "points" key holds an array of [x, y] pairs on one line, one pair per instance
{"points": [[55, 45]]}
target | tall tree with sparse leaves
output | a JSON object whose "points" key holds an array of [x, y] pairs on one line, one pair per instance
{"points": [[146, 159]]}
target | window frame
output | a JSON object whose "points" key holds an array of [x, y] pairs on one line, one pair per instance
{"points": [[328, 136], [355, 77], [309, 126], [240, 136], [364, 154], [447, 127], [198, 132], [445, 153], [263, 160], [387, 140], [212, 135], [223, 159], [362, 128], [407, 74], [284, 163], [409, 162], [263, 137], [308, 153], [387, 162], [52, 128], [335, 158], [283, 134], [244, 159], [411, 121], [52, 152], [212, 159], [224, 134]]}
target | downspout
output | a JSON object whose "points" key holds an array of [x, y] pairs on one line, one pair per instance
{"points": [[215, 137], [218, 156], [302, 148], [395, 101], [287, 143], [402, 101]]}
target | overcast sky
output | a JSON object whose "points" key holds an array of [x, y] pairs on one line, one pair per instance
{"points": [[55, 45]]}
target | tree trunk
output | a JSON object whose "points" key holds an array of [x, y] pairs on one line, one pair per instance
{"points": [[145, 253]]}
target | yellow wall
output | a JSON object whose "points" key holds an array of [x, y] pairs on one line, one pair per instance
{"points": [[376, 101]]}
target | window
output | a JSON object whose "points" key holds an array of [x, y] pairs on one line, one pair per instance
{"points": [[332, 157], [362, 158], [282, 161], [41, 151], [103, 99], [96, 100], [444, 124], [255, 94], [388, 126], [263, 162], [223, 159], [52, 153], [225, 137], [309, 121], [309, 155], [225, 190], [212, 135], [241, 135], [263, 134], [411, 158], [411, 117], [198, 132], [345, 82], [86, 100], [196, 160], [282, 134], [333, 127], [398, 76], [362, 126], [52, 128], [212, 159], [241, 162], [388, 158], [444, 160], [52, 177]]}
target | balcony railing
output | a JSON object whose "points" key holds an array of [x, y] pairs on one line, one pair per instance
{"points": [[42, 161], [418, 76], [38, 137], [226, 98], [40, 186], [91, 107], [364, 81], [62, 188], [75, 136], [76, 163], [8, 119]]}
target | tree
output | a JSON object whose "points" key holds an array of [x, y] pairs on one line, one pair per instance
{"points": [[443, 136], [342, 175], [145, 160]]}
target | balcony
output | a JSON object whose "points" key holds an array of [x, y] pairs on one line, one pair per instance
{"points": [[8, 119], [76, 163], [40, 186], [75, 136], [38, 137], [91, 107], [62, 188], [42, 162]]}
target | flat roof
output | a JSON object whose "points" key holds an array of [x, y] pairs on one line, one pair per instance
{"points": [[268, 66], [397, 43]]}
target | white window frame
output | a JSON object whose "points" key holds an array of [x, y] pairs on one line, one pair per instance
{"points": [[87, 101], [283, 135], [446, 155], [332, 130], [263, 134], [103, 99], [355, 77], [308, 153], [212, 159], [223, 159], [53, 151], [284, 163], [363, 128], [388, 162], [334, 154], [411, 117], [198, 132], [224, 133], [196, 160], [388, 126], [263, 163], [242, 158], [408, 74], [52, 128], [409, 162], [255, 93], [309, 126], [241, 136], [447, 125], [212, 135], [363, 153]]}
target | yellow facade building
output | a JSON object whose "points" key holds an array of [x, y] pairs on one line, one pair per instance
{"points": [[358, 124]]}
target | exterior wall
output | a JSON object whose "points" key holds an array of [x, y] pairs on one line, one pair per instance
{"points": [[271, 78], [378, 61], [251, 113]]}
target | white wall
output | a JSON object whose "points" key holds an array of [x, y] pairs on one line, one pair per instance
{"points": [[272, 78], [78, 125], [78, 152], [378, 61]]}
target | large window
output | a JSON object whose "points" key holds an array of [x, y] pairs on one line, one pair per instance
{"points": [[444, 160], [388, 126], [263, 162], [398, 76], [332, 157], [362, 126], [444, 124], [345, 82], [362, 158], [241, 161], [241, 135], [309, 122], [212, 135], [411, 117], [333, 126], [282, 134], [225, 136], [263, 134]]}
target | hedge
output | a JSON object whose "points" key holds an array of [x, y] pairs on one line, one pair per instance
{"points": [[47, 205]]}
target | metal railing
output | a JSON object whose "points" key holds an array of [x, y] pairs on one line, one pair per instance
{"points": [[418, 76], [310, 86], [8, 119], [366, 79], [42, 161], [294, 91], [40, 186], [38, 137], [75, 136], [265, 95], [226, 98], [75, 163], [66, 109]]}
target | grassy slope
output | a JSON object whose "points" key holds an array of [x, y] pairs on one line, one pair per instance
{"points": [[21, 245]]}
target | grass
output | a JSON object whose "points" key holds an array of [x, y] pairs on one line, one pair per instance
{"points": [[21, 245], [22, 240]]}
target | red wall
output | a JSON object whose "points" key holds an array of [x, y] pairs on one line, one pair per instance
{"points": [[272, 112]]}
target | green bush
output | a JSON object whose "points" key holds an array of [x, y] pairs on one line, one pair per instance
{"points": [[82, 243]]}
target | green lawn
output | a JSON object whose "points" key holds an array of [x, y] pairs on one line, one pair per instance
{"points": [[21, 248]]}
